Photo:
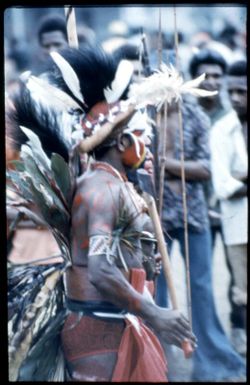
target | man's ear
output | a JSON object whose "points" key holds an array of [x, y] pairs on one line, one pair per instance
{"points": [[123, 142]]}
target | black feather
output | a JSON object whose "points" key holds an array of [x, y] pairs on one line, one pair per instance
{"points": [[94, 68], [40, 120]]}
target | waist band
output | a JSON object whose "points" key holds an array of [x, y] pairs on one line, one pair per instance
{"points": [[88, 307]]}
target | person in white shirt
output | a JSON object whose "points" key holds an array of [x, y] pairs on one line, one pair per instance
{"points": [[229, 162]]}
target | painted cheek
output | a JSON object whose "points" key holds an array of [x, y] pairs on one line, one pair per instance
{"points": [[130, 157]]}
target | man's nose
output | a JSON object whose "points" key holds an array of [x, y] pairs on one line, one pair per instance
{"points": [[234, 97], [147, 141], [149, 155], [211, 80]]}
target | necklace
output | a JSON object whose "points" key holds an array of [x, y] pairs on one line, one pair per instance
{"points": [[110, 169]]}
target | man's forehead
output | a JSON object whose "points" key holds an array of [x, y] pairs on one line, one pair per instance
{"points": [[209, 68], [237, 82], [53, 36]]}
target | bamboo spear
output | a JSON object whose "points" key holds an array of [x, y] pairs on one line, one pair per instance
{"points": [[186, 345], [180, 124], [162, 130]]}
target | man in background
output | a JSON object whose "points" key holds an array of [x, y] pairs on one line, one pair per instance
{"points": [[229, 165]]}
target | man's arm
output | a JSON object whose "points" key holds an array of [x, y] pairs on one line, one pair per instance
{"points": [[194, 170], [110, 281], [241, 192], [197, 168]]}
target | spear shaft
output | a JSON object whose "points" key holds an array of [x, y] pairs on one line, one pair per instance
{"points": [[71, 26], [162, 129], [184, 199]]}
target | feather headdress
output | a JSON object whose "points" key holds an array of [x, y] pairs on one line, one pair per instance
{"points": [[45, 110], [88, 72], [121, 81], [68, 75]]}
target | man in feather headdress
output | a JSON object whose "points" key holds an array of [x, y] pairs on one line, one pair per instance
{"points": [[105, 337], [110, 226]]}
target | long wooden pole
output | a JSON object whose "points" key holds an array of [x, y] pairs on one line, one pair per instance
{"points": [[161, 125], [184, 199], [166, 264]]}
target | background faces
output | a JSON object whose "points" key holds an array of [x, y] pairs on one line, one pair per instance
{"points": [[53, 41], [237, 91], [214, 76]]}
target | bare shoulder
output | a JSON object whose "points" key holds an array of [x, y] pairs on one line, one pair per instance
{"points": [[98, 190]]}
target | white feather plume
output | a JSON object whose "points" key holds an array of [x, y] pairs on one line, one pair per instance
{"points": [[49, 99], [123, 75], [68, 75], [52, 94], [163, 86]]}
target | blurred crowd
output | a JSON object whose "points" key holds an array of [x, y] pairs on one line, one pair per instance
{"points": [[215, 148]]}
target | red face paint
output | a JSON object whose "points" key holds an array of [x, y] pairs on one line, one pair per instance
{"points": [[130, 157]]}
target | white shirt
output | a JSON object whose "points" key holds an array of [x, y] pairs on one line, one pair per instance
{"points": [[229, 156]]}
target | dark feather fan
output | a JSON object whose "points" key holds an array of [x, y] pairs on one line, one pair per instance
{"points": [[42, 119]]}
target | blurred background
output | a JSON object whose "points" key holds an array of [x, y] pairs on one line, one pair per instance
{"points": [[224, 27]]}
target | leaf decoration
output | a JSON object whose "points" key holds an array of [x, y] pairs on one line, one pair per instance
{"points": [[18, 165], [20, 184], [37, 148], [62, 175], [54, 217]]}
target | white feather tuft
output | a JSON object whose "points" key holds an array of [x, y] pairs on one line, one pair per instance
{"points": [[163, 86], [122, 78], [68, 75]]}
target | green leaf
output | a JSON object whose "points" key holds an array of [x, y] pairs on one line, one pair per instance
{"points": [[19, 166], [41, 183], [52, 215], [20, 183], [37, 149], [62, 176]]}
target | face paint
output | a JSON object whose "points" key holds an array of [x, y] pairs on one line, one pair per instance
{"points": [[134, 155]]}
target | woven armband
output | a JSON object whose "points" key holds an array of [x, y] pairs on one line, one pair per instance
{"points": [[102, 245]]}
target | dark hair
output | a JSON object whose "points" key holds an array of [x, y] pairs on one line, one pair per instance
{"points": [[238, 68], [206, 56], [52, 23]]}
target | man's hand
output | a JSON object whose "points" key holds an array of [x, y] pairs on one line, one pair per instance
{"points": [[173, 327]]}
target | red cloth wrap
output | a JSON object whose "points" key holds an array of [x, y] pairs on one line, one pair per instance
{"points": [[140, 356], [93, 347]]}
